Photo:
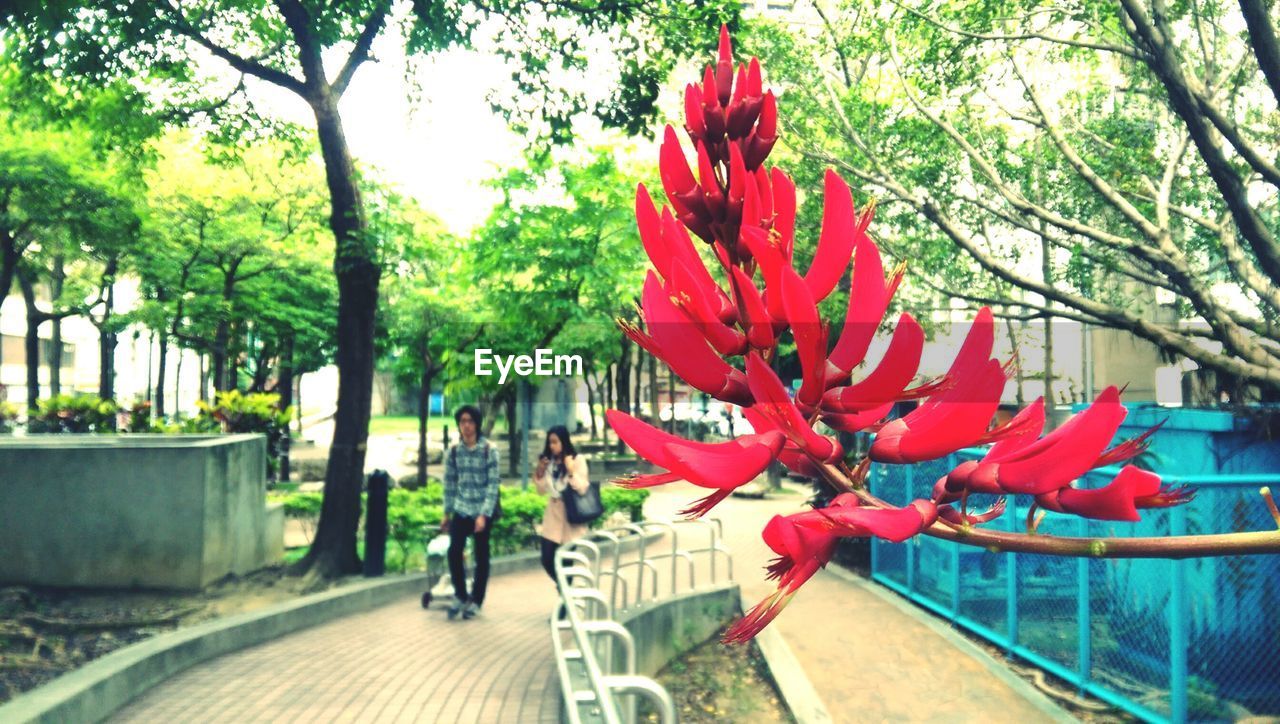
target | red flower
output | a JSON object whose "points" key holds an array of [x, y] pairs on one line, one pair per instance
{"points": [[805, 542], [890, 377], [838, 238], [720, 466], [1130, 490], [1063, 455], [801, 552], [675, 340], [776, 406], [869, 298]]}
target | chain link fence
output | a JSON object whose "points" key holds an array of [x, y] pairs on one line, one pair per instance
{"points": [[1192, 640]]}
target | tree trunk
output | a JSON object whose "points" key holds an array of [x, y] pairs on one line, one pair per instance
{"points": [[591, 408], [1047, 271], [638, 365], [355, 265], [424, 413], [284, 387], [608, 405], [1019, 376], [671, 397], [32, 343], [151, 358], [177, 384], [204, 377], [107, 348], [653, 386], [220, 339], [623, 378], [513, 437], [161, 365], [55, 337]]}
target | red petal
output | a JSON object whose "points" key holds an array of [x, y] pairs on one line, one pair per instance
{"points": [[1115, 501], [784, 209], [650, 226], [1065, 454], [836, 242], [694, 122], [686, 295], [892, 524], [648, 441], [756, 318], [773, 401], [724, 68], [976, 350], [858, 421], [868, 300], [810, 336], [687, 353], [890, 377], [953, 420], [724, 465]]}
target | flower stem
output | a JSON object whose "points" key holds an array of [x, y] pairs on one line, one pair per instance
{"points": [[1183, 546]]}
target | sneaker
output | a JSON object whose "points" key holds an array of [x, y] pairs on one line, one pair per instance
{"points": [[457, 607], [470, 610]]}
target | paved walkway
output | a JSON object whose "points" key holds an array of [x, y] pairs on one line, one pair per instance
{"points": [[868, 659]]}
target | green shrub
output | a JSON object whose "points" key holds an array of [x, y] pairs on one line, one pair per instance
{"points": [[303, 507], [413, 518], [140, 418], [73, 413], [254, 412], [517, 528], [8, 417], [630, 502]]}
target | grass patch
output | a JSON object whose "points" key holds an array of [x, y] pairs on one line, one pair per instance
{"points": [[402, 424]]}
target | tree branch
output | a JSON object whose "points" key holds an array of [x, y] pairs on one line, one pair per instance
{"points": [[360, 53], [1262, 36], [240, 63], [1153, 34]]}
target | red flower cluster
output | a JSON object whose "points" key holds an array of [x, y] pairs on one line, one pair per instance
{"points": [[746, 214]]}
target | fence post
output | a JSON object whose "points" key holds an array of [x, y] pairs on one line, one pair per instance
{"points": [[872, 480], [955, 580], [1178, 624], [1084, 633], [908, 484], [1011, 585]]}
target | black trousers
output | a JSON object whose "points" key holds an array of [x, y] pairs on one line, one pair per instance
{"points": [[459, 528], [549, 548]]}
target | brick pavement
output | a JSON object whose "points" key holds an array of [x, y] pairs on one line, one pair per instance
{"points": [[868, 660], [397, 663]]}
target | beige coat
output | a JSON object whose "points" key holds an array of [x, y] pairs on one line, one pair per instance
{"points": [[555, 526]]}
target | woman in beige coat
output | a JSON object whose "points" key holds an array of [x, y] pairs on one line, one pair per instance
{"points": [[559, 468]]}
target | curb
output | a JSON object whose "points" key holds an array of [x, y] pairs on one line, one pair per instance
{"points": [[798, 694], [94, 691], [939, 626]]}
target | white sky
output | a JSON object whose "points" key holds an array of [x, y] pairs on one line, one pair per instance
{"points": [[438, 150]]}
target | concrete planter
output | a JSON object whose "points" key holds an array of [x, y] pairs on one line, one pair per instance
{"points": [[152, 511]]}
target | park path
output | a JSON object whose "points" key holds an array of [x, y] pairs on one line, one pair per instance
{"points": [[868, 659]]}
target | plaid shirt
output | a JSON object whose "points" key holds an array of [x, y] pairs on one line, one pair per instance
{"points": [[471, 479]]}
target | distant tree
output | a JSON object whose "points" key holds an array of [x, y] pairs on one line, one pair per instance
{"points": [[284, 43], [1066, 162]]}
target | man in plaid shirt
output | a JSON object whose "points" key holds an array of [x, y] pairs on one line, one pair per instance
{"points": [[470, 498]]}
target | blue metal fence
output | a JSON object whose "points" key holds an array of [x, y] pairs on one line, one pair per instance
{"points": [[1192, 640]]}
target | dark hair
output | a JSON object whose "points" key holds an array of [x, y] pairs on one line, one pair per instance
{"points": [[471, 410], [566, 446]]}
